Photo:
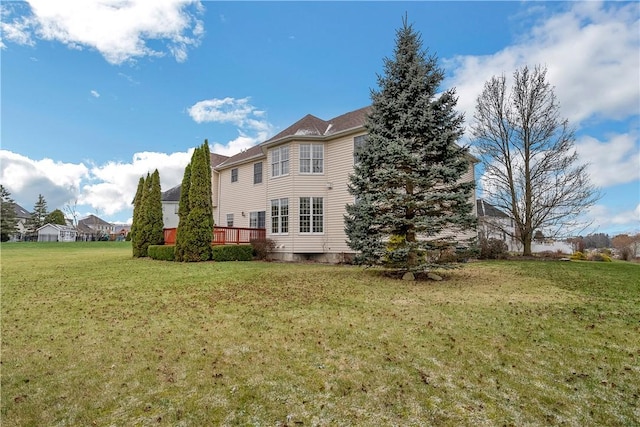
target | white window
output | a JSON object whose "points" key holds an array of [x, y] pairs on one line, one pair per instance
{"points": [[311, 215], [279, 216], [256, 219], [280, 161], [311, 158], [234, 175], [230, 220]]}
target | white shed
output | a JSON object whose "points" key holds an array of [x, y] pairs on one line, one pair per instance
{"points": [[56, 233]]}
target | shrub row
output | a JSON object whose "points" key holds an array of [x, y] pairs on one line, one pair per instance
{"points": [[220, 253], [161, 252], [232, 253]]}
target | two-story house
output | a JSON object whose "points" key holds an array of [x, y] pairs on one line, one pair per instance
{"points": [[295, 186]]}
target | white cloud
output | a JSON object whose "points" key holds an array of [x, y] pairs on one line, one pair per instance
{"points": [[25, 178], [612, 162], [105, 189], [95, 94], [603, 218], [118, 29], [590, 50], [252, 125]]}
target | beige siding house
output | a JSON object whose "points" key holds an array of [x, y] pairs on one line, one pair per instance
{"points": [[295, 186]]}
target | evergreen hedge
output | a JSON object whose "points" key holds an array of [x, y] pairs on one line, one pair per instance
{"points": [[232, 253], [161, 252]]}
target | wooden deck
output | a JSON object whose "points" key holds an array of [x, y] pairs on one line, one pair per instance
{"points": [[223, 235]]}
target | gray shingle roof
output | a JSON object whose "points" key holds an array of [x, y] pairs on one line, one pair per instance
{"points": [[312, 126], [21, 212], [93, 220], [309, 125], [486, 209], [172, 194]]}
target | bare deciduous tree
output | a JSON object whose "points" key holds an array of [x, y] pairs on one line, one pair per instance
{"points": [[531, 165]]}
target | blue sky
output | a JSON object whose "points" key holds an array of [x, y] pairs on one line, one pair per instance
{"points": [[95, 94]]}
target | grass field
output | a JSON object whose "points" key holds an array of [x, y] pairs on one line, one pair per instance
{"points": [[91, 336]]}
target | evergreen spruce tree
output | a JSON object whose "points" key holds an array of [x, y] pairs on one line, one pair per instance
{"points": [[407, 179], [199, 225], [38, 216], [183, 213], [138, 212], [8, 219]]}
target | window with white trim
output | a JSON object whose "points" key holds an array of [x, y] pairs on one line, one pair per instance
{"points": [[230, 220], [279, 216], [257, 173], [256, 219], [234, 175], [311, 215], [311, 158], [280, 161]]}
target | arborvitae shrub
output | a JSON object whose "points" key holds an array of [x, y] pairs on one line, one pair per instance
{"points": [[161, 252], [232, 253], [262, 247], [493, 249]]}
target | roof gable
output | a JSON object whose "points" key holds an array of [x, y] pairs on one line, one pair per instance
{"points": [[172, 194], [20, 211], [486, 209], [93, 220], [310, 125]]}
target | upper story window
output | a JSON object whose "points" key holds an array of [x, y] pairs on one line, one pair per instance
{"points": [[280, 161], [234, 175], [311, 158], [358, 143], [230, 220], [257, 173]]}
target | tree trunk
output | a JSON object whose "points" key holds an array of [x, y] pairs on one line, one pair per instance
{"points": [[527, 247]]}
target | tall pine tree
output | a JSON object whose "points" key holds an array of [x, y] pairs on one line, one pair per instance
{"points": [[8, 219], [410, 201], [38, 216], [183, 213]]}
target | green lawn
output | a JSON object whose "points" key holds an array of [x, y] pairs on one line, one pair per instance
{"points": [[91, 336]]}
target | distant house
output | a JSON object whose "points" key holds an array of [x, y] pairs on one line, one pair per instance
{"points": [[171, 198], [22, 215], [56, 233], [95, 227], [495, 224]]}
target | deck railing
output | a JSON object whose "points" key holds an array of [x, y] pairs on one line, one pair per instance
{"points": [[223, 235]]}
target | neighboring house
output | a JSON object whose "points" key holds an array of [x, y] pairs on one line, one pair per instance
{"points": [[171, 198], [95, 228], [56, 233], [22, 215], [495, 224], [170, 204], [295, 186]]}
